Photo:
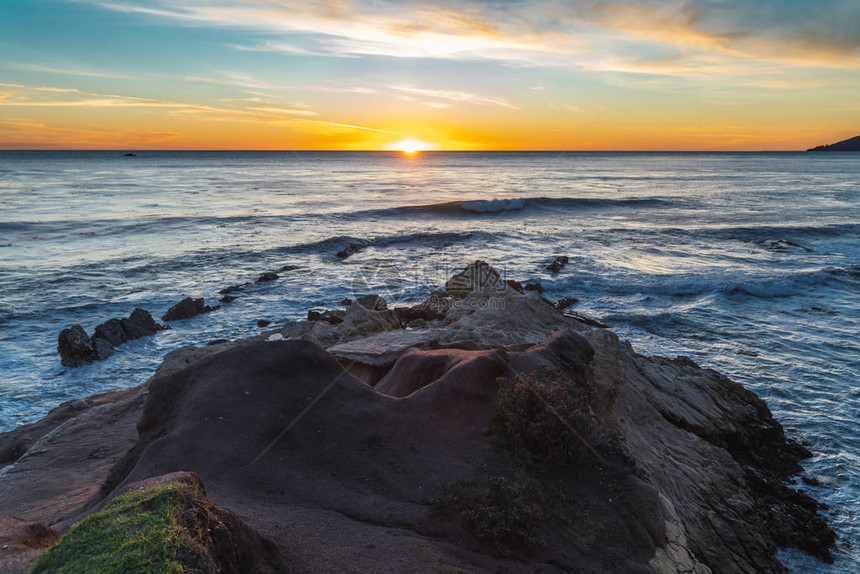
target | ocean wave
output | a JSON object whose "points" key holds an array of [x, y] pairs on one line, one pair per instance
{"points": [[502, 205]]}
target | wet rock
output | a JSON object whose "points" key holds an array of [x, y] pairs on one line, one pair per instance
{"points": [[331, 317], [140, 324], [346, 302], [263, 323], [214, 342], [233, 288], [286, 268], [268, 276], [103, 349], [112, 332], [533, 287], [784, 246], [584, 319], [565, 302], [558, 264], [351, 249], [75, 347], [478, 276], [227, 299], [186, 309], [372, 302], [515, 285]]}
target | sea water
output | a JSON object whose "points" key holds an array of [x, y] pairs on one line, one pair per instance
{"points": [[748, 263]]}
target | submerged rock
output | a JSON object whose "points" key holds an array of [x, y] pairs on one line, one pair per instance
{"points": [[558, 264], [186, 309], [565, 302], [268, 276], [350, 249]]}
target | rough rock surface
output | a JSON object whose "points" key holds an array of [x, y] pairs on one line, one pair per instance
{"points": [[186, 309], [670, 468], [75, 347]]}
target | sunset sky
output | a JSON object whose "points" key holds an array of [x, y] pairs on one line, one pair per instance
{"points": [[270, 74]]}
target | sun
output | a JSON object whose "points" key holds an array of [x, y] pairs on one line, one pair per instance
{"points": [[410, 146]]}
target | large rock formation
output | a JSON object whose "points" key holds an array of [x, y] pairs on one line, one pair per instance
{"points": [[851, 144], [76, 348], [505, 436]]}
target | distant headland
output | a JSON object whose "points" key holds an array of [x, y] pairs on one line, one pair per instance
{"points": [[851, 144]]}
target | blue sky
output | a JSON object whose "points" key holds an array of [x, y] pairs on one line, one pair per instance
{"points": [[459, 75]]}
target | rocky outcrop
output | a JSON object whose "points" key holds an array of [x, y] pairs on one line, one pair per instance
{"points": [[851, 144], [76, 348], [186, 309], [507, 436], [349, 250]]}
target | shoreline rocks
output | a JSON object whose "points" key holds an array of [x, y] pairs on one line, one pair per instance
{"points": [[76, 348], [501, 406], [188, 308]]}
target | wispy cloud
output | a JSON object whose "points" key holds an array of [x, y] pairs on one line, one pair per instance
{"points": [[457, 96], [68, 71], [588, 34]]}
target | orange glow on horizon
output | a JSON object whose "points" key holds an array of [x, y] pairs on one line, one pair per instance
{"points": [[410, 146]]}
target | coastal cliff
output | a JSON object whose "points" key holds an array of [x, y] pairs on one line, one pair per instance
{"points": [[851, 144], [481, 430]]}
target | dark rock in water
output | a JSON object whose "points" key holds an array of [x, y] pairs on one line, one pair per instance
{"points": [[268, 276], [372, 302], [112, 332], [75, 347], [515, 285], [558, 264], [533, 287], [784, 245], [346, 302], [233, 288], [217, 342], [565, 302], [478, 276], [186, 309], [851, 144], [332, 317], [351, 249], [129, 155], [584, 319], [102, 348], [263, 323], [288, 268], [227, 299], [140, 324]]}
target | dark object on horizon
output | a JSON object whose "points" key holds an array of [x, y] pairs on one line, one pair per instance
{"points": [[227, 299], [268, 276], [327, 315], [263, 323], [76, 348], [186, 309], [351, 249], [565, 302], [558, 264], [851, 144], [233, 288], [534, 287], [129, 154]]}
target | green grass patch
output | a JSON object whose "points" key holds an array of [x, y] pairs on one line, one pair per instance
{"points": [[539, 423], [496, 510], [138, 532]]}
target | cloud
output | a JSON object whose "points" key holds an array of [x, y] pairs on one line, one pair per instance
{"points": [[67, 71], [22, 133], [456, 96], [593, 35]]}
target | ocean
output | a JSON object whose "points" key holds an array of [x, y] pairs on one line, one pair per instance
{"points": [[748, 263]]}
